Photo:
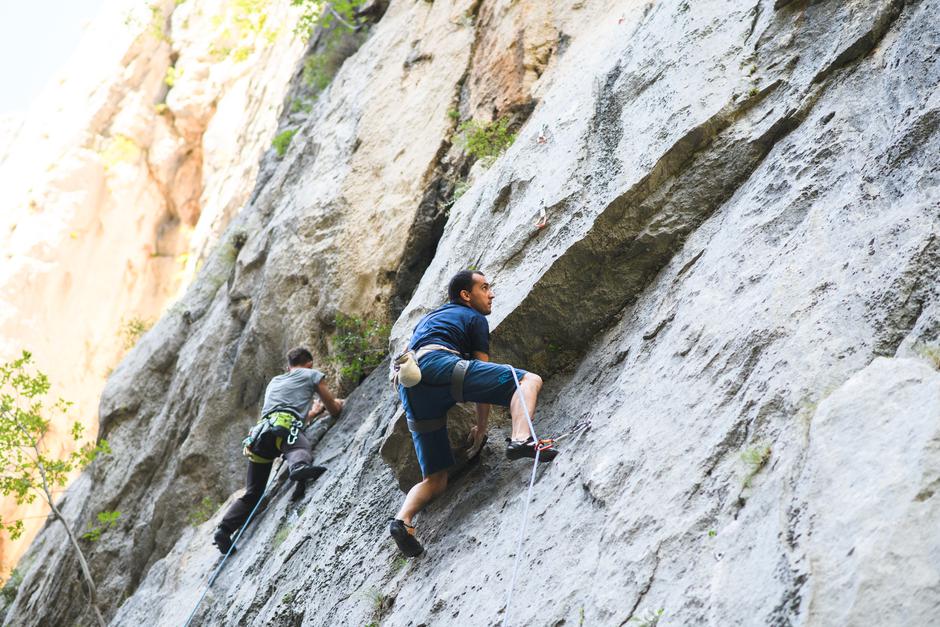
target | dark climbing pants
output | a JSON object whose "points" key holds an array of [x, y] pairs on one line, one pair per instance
{"points": [[237, 514]]}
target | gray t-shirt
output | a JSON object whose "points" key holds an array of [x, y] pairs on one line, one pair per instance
{"points": [[292, 390]]}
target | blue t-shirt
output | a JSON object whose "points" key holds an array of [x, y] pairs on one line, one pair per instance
{"points": [[459, 327]]}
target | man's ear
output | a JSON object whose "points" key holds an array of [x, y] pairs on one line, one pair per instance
{"points": [[467, 297]]}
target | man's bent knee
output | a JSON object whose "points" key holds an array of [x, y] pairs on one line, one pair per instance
{"points": [[533, 379]]}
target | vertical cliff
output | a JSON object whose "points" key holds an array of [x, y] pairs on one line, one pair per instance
{"points": [[715, 236]]}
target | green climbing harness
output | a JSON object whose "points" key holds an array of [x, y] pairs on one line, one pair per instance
{"points": [[263, 444]]}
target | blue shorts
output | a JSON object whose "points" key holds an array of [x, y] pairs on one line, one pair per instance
{"points": [[484, 382]]}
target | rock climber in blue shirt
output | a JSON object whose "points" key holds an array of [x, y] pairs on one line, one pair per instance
{"points": [[452, 346]]}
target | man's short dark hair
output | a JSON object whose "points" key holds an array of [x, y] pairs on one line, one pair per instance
{"points": [[299, 356], [461, 281]]}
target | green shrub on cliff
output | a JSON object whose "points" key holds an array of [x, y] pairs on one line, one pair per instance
{"points": [[360, 344], [485, 140], [131, 330], [282, 141], [755, 459], [320, 68], [106, 520], [650, 619]]}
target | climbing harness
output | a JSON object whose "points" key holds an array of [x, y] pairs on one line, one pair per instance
{"points": [[262, 448], [456, 379], [234, 542], [540, 445], [405, 367]]}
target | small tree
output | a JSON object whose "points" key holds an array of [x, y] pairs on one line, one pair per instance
{"points": [[27, 468]]}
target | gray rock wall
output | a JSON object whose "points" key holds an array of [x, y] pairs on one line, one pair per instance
{"points": [[736, 285]]}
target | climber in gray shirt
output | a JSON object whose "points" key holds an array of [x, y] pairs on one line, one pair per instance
{"points": [[292, 391], [290, 403]]}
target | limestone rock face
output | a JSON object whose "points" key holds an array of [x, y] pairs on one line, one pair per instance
{"points": [[870, 510], [716, 237]]}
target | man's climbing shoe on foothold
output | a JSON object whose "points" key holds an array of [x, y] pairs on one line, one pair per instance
{"points": [[302, 472], [404, 536], [222, 539], [518, 449]]}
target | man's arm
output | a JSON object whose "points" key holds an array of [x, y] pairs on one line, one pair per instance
{"points": [[483, 411], [333, 405]]}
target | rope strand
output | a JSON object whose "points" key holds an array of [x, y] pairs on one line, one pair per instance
{"points": [[528, 498], [234, 542]]}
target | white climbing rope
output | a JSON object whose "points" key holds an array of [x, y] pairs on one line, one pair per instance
{"points": [[528, 498]]}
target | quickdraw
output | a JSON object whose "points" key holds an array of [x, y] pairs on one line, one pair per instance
{"points": [[544, 445], [548, 443], [582, 425]]}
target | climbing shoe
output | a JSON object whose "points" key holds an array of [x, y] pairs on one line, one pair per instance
{"points": [[222, 539], [517, 449], [302, 472], [404, 536]]}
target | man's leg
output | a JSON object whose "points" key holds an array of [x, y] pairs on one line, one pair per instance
{"points": [[493, 383], [422, 494], [521, 443], [529, 389], [238, 513], [401, 528], [297, 456]]}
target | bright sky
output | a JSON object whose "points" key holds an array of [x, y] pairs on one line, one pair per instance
{"points": [[36, 39]]}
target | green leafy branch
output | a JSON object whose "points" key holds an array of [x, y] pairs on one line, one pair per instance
{"points": [[327, 15], [27, 468]]}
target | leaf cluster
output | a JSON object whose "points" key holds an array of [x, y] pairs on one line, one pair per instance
{"points": [[132, 330], [172, 75], [360, 344], [755, 458], [280, 536], [106, 520], [326, 15], [485, 140], [27, 467], [282, 141], [119, 149], [242, 27], [157, 25]]}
